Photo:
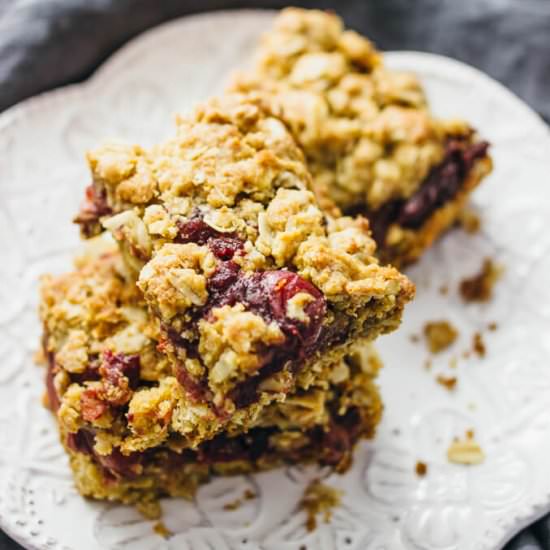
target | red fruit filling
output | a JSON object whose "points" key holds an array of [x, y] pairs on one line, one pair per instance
{"points": [[93, 207], [440, 186], [332, 448]]}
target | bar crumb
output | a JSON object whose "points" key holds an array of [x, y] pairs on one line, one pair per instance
{"points": [[465, 451], [439, 335], [318, 499], [479, 288], [421, 469], [478, 345], [448, 382], [160, 529]]}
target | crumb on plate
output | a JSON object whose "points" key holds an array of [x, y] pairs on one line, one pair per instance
{"points": [[439, 335], [465, 451], [478, 345], [421, 469], [160, 529], [448, 382], [479, 287], [319, 498]]}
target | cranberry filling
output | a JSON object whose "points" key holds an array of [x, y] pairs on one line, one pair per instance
{"points": [[267, 294], [337, 443], [114, 465], [53, 398], [330, 447], [115, 366], [440, 186], [264, 293], [92, 405], [195, 230], [93, 207]]}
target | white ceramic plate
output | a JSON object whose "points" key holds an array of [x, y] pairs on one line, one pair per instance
{"points": [[505, 397]]}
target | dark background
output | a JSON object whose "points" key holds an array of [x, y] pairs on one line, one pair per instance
{"points": [[49, 43]]}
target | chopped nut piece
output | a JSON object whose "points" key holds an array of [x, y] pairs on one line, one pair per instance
{"points": [[479, 288], [492, 326], [439, 335], [414, 338], [466, 451], [444, 290], [421, 469], [478, 345], [319, 499], [448, 382]]}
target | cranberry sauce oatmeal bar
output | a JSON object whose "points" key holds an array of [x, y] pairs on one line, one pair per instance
{"points": [[254, 288], [370, 141], [124, 418]]}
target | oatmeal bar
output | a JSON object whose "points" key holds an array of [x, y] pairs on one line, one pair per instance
{"points": [[370, 141], [253, 286], [105, 358], [130, 428]]}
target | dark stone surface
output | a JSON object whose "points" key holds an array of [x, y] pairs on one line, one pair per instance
{"points": [[48, 43]]}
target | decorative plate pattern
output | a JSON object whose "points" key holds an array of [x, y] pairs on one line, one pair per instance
{"points": [[505, 396]]}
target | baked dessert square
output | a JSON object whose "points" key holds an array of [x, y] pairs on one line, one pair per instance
{"points": [[127, 423], [370, 141], [255, 288]]}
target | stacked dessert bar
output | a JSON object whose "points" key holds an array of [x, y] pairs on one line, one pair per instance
{"points": [[221, 317], [370, 141], [226, 331]]}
